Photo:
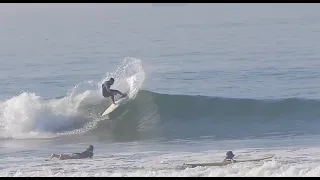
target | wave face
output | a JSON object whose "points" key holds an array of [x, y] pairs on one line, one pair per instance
{"points": [[150, 115], [181, 116]]}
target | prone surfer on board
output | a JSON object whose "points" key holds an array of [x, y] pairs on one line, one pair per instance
{"points": [[229, 157], [88, 153], [107, 92]]}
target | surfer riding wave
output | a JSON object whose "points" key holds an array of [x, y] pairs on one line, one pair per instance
{"points": [[107, 92]]}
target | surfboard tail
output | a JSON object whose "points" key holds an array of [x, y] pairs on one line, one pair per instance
{"points": [[112, 107]]}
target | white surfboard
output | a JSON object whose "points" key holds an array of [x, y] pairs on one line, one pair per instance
{"points": [[112, 107], [226, 163]]}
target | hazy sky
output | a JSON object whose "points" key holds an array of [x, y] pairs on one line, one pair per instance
{"points": [[22, 7], [223, 9]]}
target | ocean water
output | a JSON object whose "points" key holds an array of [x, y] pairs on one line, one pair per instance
{"points": [[202, 79]]}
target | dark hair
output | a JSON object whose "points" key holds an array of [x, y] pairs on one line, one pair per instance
{"points": [[90, 148], [111, 79], [230, 153]]}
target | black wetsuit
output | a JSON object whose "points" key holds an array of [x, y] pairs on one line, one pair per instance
{"points": [[106, 91], [85, 154]]}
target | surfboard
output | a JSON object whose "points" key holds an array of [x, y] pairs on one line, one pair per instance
{"points": [[112, 107], [53, 159], [226, 163]]}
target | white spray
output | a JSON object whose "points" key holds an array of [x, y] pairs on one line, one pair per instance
{"points": [[29, 116]]}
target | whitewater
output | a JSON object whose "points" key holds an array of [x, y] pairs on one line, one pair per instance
{"points": [[30, 116], [202, 79]]}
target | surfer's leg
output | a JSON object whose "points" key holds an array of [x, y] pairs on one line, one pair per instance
{"points": [[64, 157], [115, 92], [75, 156], [112, 98], [105, 93], [61, 157], [54, 156]]}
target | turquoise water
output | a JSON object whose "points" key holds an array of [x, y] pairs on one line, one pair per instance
{"points": [[202, 79]]}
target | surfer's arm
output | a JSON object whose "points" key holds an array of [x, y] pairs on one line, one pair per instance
{"points": [[229, 160]]}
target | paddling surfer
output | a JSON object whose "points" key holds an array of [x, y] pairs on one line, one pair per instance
{"points": [[107, 92], [88, 153], [229, 157]]}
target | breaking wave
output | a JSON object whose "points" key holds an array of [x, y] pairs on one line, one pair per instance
{"points": [[150, 115]]}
